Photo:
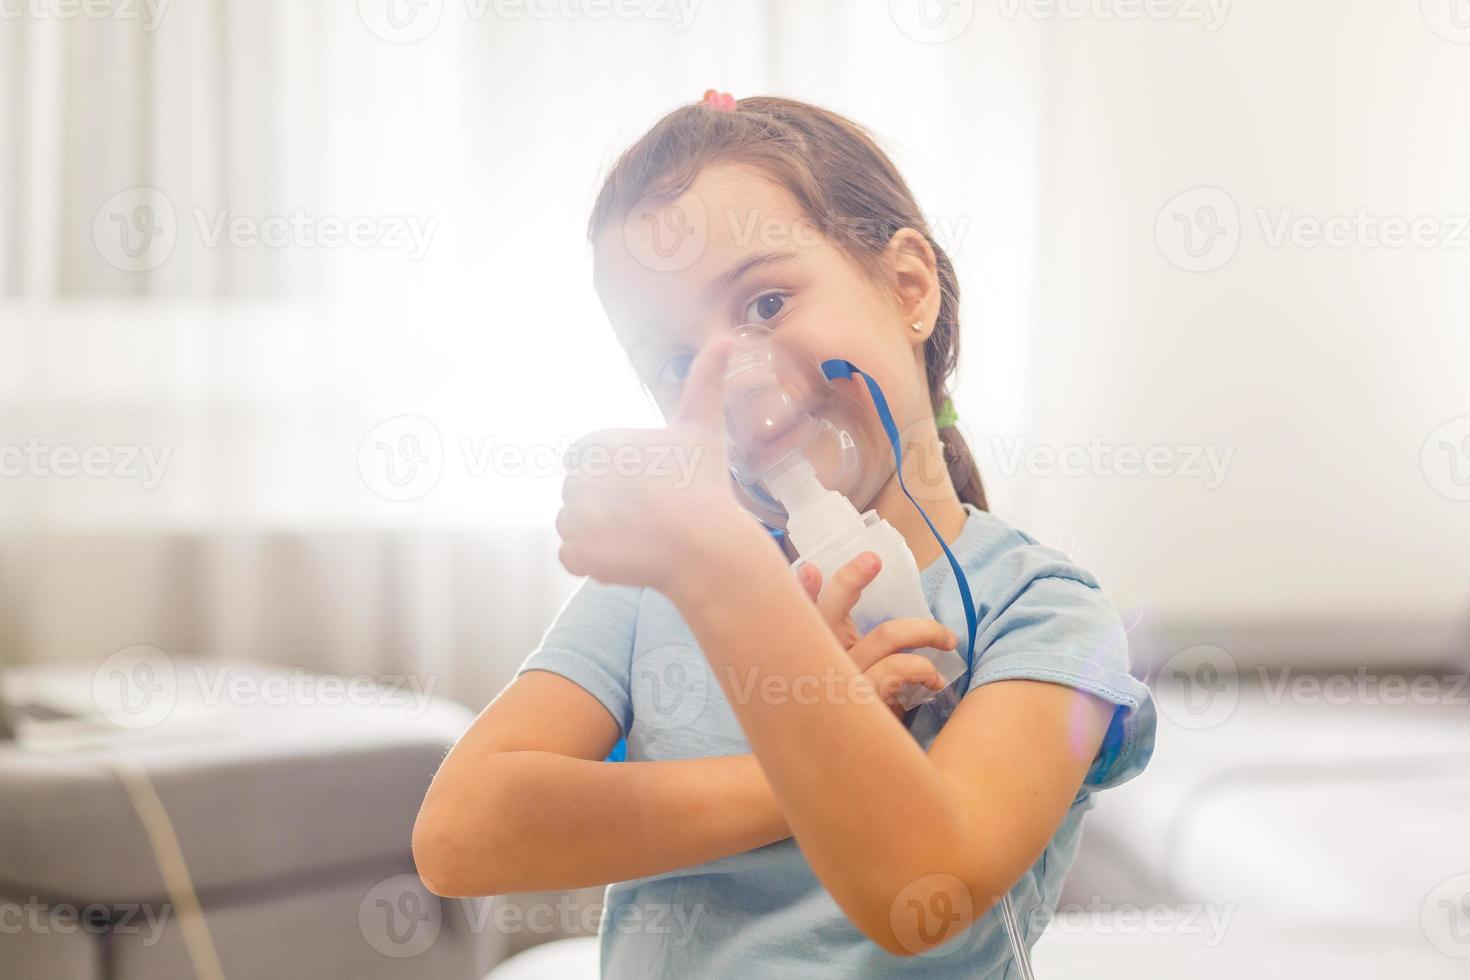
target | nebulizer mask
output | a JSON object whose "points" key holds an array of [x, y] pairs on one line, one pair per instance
{"points": [[784, 415], [804, 463]]}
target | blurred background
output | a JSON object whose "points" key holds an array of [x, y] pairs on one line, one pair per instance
{"points": [[296, 320]]}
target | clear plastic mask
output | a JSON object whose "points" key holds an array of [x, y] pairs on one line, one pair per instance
{"points": [[779, 409]]}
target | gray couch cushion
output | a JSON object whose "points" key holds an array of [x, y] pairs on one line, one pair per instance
{"points": [[258, 785], [377, 924]]}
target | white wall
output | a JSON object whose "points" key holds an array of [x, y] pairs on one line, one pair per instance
{"points": [[1324, 369]]}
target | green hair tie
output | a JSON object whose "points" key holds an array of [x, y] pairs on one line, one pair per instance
{"points": [[946, 417]]}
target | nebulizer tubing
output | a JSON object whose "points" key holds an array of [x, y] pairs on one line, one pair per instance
{"points": [[838, 368]]}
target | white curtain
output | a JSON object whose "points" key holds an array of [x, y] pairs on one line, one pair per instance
{"points": [[342, 454]]}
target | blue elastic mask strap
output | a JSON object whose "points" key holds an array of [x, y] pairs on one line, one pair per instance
{"points": [[838, 368]]}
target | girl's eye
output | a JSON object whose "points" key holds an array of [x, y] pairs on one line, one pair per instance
{"points": [[765, 308], [674, 370]]}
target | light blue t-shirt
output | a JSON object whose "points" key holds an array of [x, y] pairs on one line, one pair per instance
{"points": [[763, 914]]}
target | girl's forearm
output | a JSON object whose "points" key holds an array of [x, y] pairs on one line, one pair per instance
{"points": [[869, 810], [537, 821]]}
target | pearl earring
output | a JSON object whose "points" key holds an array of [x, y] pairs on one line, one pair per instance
{"points": [[918, 326]]}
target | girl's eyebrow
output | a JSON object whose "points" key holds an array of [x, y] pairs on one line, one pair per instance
{"points": [[732, 276], [652, 331]]}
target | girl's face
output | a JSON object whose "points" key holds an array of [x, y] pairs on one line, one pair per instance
{"points": [[737, 248]]}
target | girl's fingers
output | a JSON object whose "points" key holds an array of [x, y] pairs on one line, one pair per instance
{"points": [[810, 578], [842, 592], [900, 634], [893, 673]]}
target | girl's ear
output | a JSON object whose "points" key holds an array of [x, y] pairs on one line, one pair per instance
{"points": [[914, 278]]}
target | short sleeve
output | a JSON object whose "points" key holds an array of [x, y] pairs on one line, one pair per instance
{"points": [[1046, 619], [590, 643]]}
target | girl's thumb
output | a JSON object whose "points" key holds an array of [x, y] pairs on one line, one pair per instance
{"points": [[703, 401]]}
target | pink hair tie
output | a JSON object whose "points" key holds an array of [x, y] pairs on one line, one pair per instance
{"points": [[718, 101]]}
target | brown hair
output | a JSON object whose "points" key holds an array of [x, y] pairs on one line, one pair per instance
{"points": [[839, 175]]}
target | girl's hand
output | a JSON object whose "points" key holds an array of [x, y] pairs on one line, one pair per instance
{"points": [[654, 507], [878, 654]]}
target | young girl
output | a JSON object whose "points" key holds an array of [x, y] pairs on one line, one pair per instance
{"points": [[778, 814]]}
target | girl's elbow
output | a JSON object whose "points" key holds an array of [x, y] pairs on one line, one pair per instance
{"points": [[922, 913], [451, 853], [434, 856]]}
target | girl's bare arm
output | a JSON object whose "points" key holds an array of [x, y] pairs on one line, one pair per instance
{"points": [[524, 801], [888, 829]]}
